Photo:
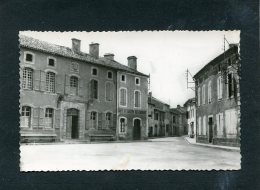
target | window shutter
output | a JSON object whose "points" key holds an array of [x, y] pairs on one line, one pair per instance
{"points": [[81, 89], [221, 123], [37, 79], [35, 117], [91, 89], [99, 121], [104, 122], [114, 121], [67, 84], [41, 118], [88, 120], [57, 118], [58, 86], [43, 81]]}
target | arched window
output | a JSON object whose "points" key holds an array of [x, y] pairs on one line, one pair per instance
{"points": [[94, 89], [93, 119], [27, 82], [109, 75], [137, 99], [109, 91], [73, 85], [108, 119], [50, 82], [123, 97], [49, 118], [122, 125], [26, 117]]}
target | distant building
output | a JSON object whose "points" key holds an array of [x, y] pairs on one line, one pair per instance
{"points": [[67, 94], [218, 100], [178, 121], [158, 117], [191, 117]]}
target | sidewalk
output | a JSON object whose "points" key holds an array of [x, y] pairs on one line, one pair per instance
{"points": [[193, 142]]}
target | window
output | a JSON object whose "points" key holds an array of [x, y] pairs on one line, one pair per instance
{"points": [[93, 119], [231, 85], [108, 119], [109, 75], [73, 85], [209, 92], [51, 62], [49, 118], [137, 99], [199, 96], [156, 116], [203, 95], [94, 89], [109, 91], [123, 97], [123, 78], [219, 119], [50, 82], [122, 125], [231, 122], [137, 81], [94, 71], [27, 82], [219, 87], [28, 57], [26, 117]]}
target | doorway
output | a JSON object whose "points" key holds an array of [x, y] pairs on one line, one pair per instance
{"points": [[137, 129], [73, 120], [210, 122]]}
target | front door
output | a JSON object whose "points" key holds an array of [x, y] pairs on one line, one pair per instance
{"points": [[210, 129], [73, 123], [137, 129]]}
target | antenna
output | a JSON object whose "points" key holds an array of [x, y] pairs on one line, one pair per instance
{"points": [[190, 81]]}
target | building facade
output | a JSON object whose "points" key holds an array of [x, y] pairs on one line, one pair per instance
{"points": [[67, 94], [218, 100], [191, 117], [178, 121]]}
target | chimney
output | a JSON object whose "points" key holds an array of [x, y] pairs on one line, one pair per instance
{"points": [[232, 45], [132, 63], [109, 56], [94, 50], [75, 45], [178, 106]]}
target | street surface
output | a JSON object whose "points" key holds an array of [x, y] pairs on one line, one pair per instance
{"points": [[172, 153]]}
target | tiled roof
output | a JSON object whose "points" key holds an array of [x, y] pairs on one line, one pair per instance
{"points": [[35, 44]]}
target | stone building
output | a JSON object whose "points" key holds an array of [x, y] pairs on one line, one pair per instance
{"points": [[218, 100], [178, 121], [68, 94], [190, 105], [158, 117]]}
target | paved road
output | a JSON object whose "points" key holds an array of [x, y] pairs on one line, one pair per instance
{"points": [[172, 153]]}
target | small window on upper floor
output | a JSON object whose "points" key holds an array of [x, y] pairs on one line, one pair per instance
{"points": [[123, 78], [51, 62], [94, 71], [137, 81], [28, 57], [109, 75]]}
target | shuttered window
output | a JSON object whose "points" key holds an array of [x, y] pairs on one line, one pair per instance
{"points": [[27, 81], [209, 92], [137, 99], [49, 118], [199, 126], [108, 120], [93, 119], [123, 97], [94, 89], [50, 82], [122, 125], [219, 87], [199, 96], [204, 125], [231, 122], [109, 91], [219, 120]]}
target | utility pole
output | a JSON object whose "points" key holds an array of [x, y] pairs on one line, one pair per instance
{"points": [[190, 83]]}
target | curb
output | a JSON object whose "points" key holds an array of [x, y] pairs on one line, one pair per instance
{"points": [[212, 146]]}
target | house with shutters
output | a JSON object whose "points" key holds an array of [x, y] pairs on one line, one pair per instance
{"points": [[67, 94], [218, 100]]}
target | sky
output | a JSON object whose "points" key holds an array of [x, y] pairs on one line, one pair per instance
{"points": [[165, 55]]}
